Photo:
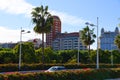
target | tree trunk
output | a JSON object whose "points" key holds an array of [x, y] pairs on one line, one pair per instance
{"points": [[43, 48], [88, 60]]}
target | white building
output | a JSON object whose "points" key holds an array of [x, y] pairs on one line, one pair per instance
{"points": [[107, 39]]}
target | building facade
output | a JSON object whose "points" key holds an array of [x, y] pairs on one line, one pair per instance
{"points": [[107, 39], [56, 28], [68, 41]]}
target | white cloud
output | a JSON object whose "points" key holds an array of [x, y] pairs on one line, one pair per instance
{"points": [[22, 7], [9, 35], [15, 6]]}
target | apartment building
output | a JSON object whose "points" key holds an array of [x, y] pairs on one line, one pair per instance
{"points": [[56, 28], [68, 41]]}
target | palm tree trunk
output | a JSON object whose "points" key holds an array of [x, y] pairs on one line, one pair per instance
{"points": [[89, 54], [88, 47], [43, 48]]}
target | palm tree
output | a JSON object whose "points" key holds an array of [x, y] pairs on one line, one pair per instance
{"points": [[117, 41], [87, 36], [43, 22]]}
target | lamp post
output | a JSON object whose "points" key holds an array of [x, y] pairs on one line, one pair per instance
{"points": [[78, 48], [20, 49], [111, 55], [97, 47], [97, 56], [111, 58], [78, 58]]}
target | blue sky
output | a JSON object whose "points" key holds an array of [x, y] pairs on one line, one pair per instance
{"points": [[15, 14]]}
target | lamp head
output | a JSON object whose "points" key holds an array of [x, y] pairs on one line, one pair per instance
{"points": [[22, 30], [28, 31], [92, 25], [87, 23]]}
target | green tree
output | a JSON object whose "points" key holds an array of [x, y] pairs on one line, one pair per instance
{"points": [[117, 41], [104, 56], [38, 54], [87, 36], [50, 55], [43, 22], [84, 56], [66, 55], [28, 52], [7, 56], [116, 56]]}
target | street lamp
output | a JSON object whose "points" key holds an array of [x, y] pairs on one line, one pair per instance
{"points": [[21, 32], [97, 57]]}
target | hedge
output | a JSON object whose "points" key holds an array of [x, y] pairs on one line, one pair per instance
{"points": [[84, 74]]}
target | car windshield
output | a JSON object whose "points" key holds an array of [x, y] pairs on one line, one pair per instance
{"points": [[54, 68]]}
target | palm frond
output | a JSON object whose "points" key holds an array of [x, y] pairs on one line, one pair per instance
{"points": [[42, 19]]}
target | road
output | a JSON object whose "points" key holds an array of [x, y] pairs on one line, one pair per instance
{"points": [[22, 72]]}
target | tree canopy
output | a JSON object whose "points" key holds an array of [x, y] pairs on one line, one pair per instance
{"points": [[117, 41]]}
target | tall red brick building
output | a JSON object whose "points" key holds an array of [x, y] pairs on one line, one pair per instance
{"points": [[56, 28]]}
